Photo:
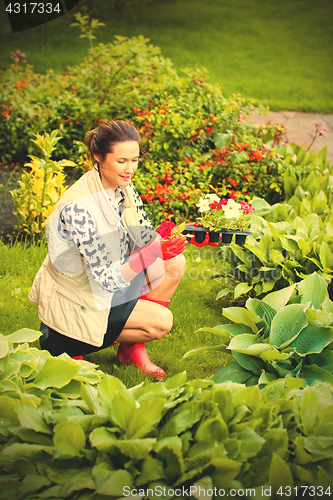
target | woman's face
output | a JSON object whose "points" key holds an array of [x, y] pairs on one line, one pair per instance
{"points": [[119, 167]]}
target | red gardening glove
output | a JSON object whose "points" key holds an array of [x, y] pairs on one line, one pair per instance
{"points": [[172, 248], [165, 249]]}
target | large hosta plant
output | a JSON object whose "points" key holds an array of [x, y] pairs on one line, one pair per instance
{"points": [[289, 333]]}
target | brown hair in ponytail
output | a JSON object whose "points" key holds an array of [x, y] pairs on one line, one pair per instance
{"points": [[100, 141]]}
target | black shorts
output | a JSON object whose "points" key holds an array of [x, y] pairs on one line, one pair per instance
{"points": [[56, 343]]}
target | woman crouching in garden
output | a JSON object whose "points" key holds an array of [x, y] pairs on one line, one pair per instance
{"points": [[104, 255]]}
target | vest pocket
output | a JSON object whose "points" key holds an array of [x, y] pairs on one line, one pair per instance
{"points": [[71, 301]]}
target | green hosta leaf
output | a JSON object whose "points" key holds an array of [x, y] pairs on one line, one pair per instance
{"points": [[176, 381], [102, 439], [260, 308], [241, 342], [225, 403], [324, 360], [56, 373], [171, 455], [326, 257], [309, 410], [279, 299], [235, 329], [224, 292], [145, 418], [212, 429], [69, 438], [279, 474], [318, 316], [32, 483], [313, 374], [251, 443], [151, 470], [247, 362], [233, 373], [327, 305], [241, 315], [287, 324], [136, 448], [219, 330], [4, 347], [314, 289], [108, 388], [312, 339], [275, 355], [266, 378], [121, 411], [203, 489], [198, 350], [31, 418], [150, 390], [319, 203], [23, 335], [7, 410], [242, 288], [225, 470], [10, 454], [115, 484], [184, 419], [80, 481]]}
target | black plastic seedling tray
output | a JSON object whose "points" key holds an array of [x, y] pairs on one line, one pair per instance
{"points": [[226, 234]]}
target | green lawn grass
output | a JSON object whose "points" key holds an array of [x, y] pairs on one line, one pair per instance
{"points": [[279, 53], [194, 306]]}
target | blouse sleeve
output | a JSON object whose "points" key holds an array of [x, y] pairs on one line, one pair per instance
{"points": [[148, 230], [79, 226]]}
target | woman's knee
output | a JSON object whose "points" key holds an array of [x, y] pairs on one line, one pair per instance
{"points": [[175, 267], [162, 326]]}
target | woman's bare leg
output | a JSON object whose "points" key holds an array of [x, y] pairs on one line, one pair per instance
{"points": [[163, 282]]}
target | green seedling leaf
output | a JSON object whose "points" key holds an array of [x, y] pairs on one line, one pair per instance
{"points": [[287, 324], [10, 454], [176, 381], [225, 470], [312, 339], [121, 411], [69, 438], [56, 373], [241, 315], [275, 355], [107, 390], [279, 299]]}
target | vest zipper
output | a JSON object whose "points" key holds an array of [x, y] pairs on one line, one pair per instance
{"points": [[71, 301]]}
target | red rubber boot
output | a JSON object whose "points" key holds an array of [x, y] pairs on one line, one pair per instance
{"points": [[136, 354]]}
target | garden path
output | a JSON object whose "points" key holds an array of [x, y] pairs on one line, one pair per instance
{"points": [[299, 128]]}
